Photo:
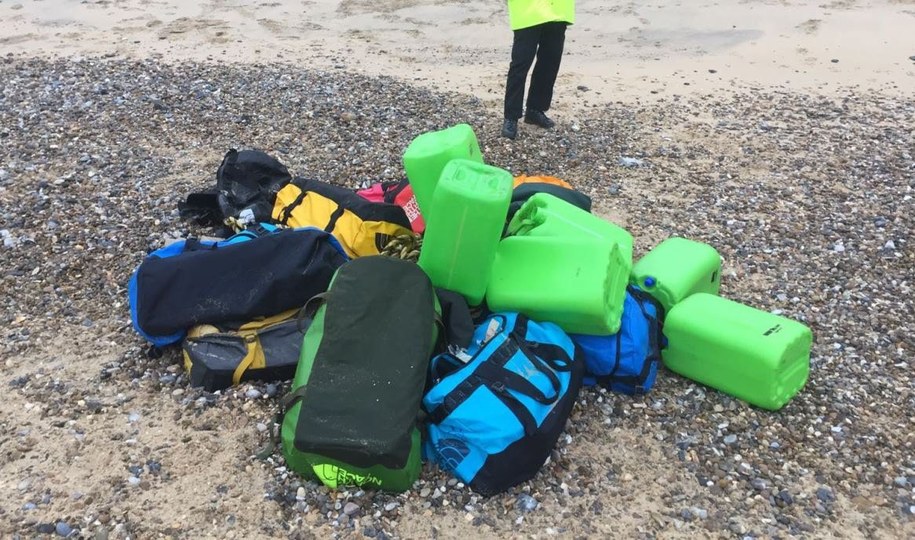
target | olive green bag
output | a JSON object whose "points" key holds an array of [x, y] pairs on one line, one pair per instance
{"points": [[351, 418]]}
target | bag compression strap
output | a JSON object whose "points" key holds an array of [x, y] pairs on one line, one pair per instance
{"points": [[654, 344], [501, 381]]}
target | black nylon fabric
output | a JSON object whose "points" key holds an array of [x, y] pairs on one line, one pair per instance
{"points": [[249, 179], [366, 384], [257, 278], [525, 191]]}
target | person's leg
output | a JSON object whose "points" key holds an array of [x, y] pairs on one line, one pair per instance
{"points": [[524, 49], [549, 56]]}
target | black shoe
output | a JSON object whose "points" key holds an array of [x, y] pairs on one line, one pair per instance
{"points": [[510, 128], [539, 119]]}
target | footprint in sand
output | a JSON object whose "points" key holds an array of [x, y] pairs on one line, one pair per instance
{"points": [[810, 26], [215, 30]]}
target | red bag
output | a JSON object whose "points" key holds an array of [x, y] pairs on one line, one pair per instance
{"points": [[399, 193]]}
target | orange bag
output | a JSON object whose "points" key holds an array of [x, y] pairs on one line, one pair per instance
{"points": [[524, 179]]}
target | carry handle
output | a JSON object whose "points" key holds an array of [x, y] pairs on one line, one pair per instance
{"points": [[554, 355], [505, 379], [303, 313]]}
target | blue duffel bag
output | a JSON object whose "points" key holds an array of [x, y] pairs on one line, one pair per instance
{"points": [[627, 361], [259, 272], [496, 411]]}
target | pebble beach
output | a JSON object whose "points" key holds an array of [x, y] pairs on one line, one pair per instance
{"points": [[807, 195]]}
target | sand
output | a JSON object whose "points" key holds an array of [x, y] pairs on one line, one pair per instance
{"points": [[615, 51]]}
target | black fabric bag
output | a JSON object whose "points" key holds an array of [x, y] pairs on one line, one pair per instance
{"points": [[525, 191], [246, 180], [249, 179], [212, 284], [265, 349]]}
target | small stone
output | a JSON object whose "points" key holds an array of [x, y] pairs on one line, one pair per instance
{"points": [[630, 162], [835, 60], [713, 71], [133, 417], [29, 506], [350, 508], [133, 480], [101, 534], [63, 529], [785, 497], [901, 481], [825, 494], [261, 427], [300, 494], [253, 393], [526, 503], [890, 245], [271, 390], [391, 506], [700, 513], [686, 514], [46, 528], [759, 484], [838, 248], [730, 439]]}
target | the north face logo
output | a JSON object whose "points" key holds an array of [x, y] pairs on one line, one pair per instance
{"points": [[452, 452]]}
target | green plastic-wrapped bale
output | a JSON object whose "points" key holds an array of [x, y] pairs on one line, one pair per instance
{"points": [[577, 282], [745, 352], [677, 268], [426, 157]]}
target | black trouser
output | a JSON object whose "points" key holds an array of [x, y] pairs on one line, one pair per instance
{"points": [[545, 41]]}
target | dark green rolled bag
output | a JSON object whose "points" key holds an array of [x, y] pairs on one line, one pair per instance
{"points": [[351, 418]]}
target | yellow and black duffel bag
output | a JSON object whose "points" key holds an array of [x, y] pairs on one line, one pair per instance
{"points": [[266, 349], [362, 227]]}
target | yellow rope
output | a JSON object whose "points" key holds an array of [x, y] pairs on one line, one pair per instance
{"points": [[404, 246]]}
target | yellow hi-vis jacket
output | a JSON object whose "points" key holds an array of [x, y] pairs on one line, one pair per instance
{"points": [[527, 13]]}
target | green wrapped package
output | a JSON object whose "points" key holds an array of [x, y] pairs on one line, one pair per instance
{"points": [[750, 354], [677, 268], [426, 157], [547, 215]]}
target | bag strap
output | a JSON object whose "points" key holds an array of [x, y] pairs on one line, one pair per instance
{"points": [[319, 298], [250, 354], [287, 212], [501, 381], [554, 355], [287, 402]]}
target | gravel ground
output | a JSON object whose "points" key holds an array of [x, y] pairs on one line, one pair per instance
{"points": [[809, 200]]}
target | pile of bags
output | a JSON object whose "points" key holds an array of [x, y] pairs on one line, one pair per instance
{"points": [[452, 317]]}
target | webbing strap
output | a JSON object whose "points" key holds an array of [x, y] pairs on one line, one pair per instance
{"points": [[287, 402], [501, 381], [251, 344], [287, 212]]}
